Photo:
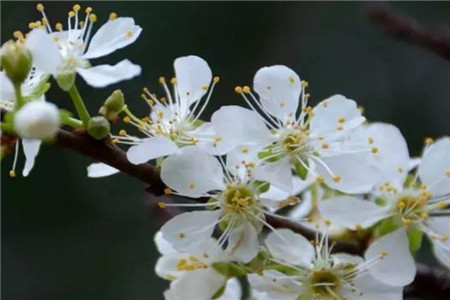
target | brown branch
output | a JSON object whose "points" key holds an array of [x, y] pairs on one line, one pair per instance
{"points": [[404, 28]]}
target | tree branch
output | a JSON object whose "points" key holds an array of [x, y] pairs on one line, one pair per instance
{"points": [[404, 28]]}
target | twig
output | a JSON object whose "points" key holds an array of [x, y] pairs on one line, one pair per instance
{"points": [[404, 28]]}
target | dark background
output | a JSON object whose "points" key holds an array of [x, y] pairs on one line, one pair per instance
{"points": [[65, 236]]}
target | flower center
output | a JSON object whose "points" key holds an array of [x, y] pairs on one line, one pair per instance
{"points": [[238, 198], [325, 283], [411, 208], [190, 264], [295, 142]]}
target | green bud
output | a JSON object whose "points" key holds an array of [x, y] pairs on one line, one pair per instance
{"points": [[16, 61], [98, 127], [115, 102], [65, 80], [258, 263]]}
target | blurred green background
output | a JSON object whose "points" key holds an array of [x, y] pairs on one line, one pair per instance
{"points": [[65, 236]]}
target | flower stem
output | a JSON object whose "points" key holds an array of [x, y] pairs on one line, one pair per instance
{"points": [[79, 105], [72, 122], [19, 99]]}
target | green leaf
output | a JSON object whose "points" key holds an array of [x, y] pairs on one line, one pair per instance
{"points": [[229, 269], [301, 170], [385, 226]]}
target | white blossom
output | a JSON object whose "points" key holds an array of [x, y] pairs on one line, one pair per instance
{"points": [[70, 51], [37, 120]]}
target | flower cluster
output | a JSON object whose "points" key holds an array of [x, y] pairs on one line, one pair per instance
{"points": [[323, 166]]}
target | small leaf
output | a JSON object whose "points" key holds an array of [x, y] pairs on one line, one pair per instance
{"points": [[229, 269]]}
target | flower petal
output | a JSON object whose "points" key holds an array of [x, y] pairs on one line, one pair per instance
{"points": [[238, 159], [193, 74], [279, 90], [434, 169], [6, 92], [440, 238], [277, 173], [96, 170], [241, 125], [333, 113], [356, 173], [207, 141], [166, 266], [276, 284], [31, 150], [104, 75], [368, 288], [113, 35], [187, 230], [200, 284], [163, 246], [243, 242], [44, 51], [290, 247], [151, 148], [397, 268], [233, 290], [192, 173], [350, 212]]}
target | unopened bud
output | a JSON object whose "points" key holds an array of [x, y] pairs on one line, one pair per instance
{"points": [[16, 61], [98, 127], [115, 102], [65, 80], [37, 120]]}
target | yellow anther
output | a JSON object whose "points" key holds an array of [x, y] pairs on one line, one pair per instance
{"points": [[291, 79], [358, 227], [71, 14], [194, 140], [76, 7], [238, 89], [246, 89], [340, 127], [162, 204], [325, 146], [167, 191], [112, 16], [424, 216], [216, 79], [59, 26], [88, 10], [181, 235], [447, 173], [383, 254], [361, 108], [115, 141], [336, 178], [44, 21], [162, 80], [173, 81], [327, 222], [31, 25], [12, 173], [444, 238], [18, 34], [282, 103], [93, 18], [423, 186], [160, 114], [406, 221], [191, 185], [245, 150], [442, 205], [305, 83], [126, 119], [401, 204], [205, 87], [320, 179], [370, 140], [374, 150], [341, 120], [40, 7], [217, 139], [400, 169], [122, 132], [428, 141], [307, 95], [128, 33]]}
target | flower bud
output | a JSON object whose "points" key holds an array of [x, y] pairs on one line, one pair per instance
{"points": [[98, 127], [16, 61], [37, 120], [115, 102], [65, 80]]}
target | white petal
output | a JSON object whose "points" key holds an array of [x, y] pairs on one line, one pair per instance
{"points": [[192, 172], [243, 242], [368, 288], [31, 150], [434, 167], [329, 113], [187, 230], [350, 212], [151, 148], [414, 162], [44, 51], [233, 290], [398, 267], [392, 158], [193, 74], [277, 173], [166, 266], [207, 143], [200, 284], [241, 125], [163, 246], [357, 174], [298, 185], [290, 247], [279, 89], [276, 284], [113, 35], [440, 228], [240, 156], [104, 75], [6, 91], [96, 170], [442, 254]]}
